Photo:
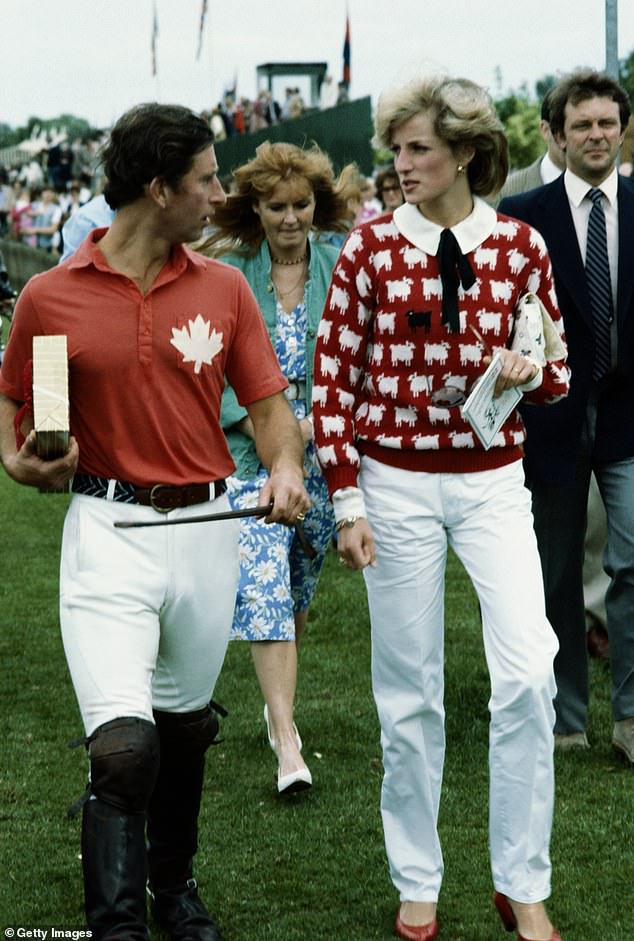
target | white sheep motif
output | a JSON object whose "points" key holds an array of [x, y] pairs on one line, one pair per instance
{"points": [[534, 281], [386, 322], [382, 259], [470, 353], [436, 415], [418, 384], [377, 354], [402, 353], [363, 314], [327, 455], [502, 290], [462, 439], [399, 289], [388, 385], [375, 414], [363, 282], [437, 352], [339, 298], [346, 399], [405, 416], [413, 256], [332, 424], [517, 261], [432, 287], [490, 320], [330, 365], [324, 329], [348, 339], [384, 230], [486, 257], [391, 441], [352, 455], [352, 245], [353, 375], [537, 241], [507, 229], [320, 395], [426, 442]]}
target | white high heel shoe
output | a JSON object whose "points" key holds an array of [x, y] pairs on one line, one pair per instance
{"points": [[268, 731], [299, 780]]}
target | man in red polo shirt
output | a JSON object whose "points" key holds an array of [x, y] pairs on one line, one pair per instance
{"points": [[152, 330]]}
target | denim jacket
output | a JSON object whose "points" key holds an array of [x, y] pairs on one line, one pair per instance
{"points": [[257, 270]]}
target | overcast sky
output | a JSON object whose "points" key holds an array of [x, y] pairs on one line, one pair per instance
{"points": [[92, 58]]}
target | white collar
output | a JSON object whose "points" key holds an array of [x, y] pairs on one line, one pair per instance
{"points": [[577, 189], [548, 170], [469, 233]]}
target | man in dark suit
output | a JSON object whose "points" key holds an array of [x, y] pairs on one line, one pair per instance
{"points": [[591, 430]]}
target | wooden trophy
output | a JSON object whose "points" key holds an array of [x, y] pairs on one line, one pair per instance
{"points": [[50, 397]]}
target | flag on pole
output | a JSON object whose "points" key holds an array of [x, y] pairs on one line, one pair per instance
{"points": [[346, 54], [203, 14], [154, 38]]}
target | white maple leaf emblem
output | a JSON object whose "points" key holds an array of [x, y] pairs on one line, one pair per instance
{"points": [[197, 344]]}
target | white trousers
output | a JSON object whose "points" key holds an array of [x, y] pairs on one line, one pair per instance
{"points": [[145, 613], [486, 518]]}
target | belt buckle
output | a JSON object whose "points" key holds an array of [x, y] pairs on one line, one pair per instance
{"points": [[153, 493]]}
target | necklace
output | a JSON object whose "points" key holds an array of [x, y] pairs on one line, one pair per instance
{"points": [[282, 294], [283, 261]]}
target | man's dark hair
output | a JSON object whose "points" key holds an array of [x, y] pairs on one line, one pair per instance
{"points": [[546, 105], [148, 141], [581, 85]]}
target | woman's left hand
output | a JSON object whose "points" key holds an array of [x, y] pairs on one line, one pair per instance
{"points": [[516, 370]]}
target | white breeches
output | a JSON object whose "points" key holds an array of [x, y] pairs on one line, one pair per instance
{"points": [[145, 613]]}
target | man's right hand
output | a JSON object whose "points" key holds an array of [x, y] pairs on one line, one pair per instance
{"points": [[26, 467]]}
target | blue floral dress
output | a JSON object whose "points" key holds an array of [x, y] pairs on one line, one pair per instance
{"points": [[277, 579]]}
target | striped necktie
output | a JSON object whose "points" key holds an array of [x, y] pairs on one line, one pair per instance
{"points": [[599, 285]]}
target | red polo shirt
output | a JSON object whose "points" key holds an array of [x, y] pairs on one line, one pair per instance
{"points": [[146, 372]]}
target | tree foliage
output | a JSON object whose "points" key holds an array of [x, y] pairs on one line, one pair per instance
{"points": [[519, 112], [626, 75]]}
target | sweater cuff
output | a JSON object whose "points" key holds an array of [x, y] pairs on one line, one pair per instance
{"points": [[348, 502], [536, 381]]}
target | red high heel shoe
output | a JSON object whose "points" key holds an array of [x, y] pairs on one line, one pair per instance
{"points": [[509, 920], [415, 932]]}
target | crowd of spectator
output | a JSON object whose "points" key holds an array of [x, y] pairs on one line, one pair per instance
{"points": [[39, 195], [234, 116]]}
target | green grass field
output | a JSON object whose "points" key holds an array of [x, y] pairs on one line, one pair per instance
{"points": [[311, 867]]}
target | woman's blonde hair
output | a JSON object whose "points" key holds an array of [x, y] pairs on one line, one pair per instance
{"points": [[238, 227], [464, 115]]}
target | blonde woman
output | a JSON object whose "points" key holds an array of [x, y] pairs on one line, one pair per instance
{"points": [[416, 301]]}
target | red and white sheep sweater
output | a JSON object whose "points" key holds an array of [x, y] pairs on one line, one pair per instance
{"points": [[382, 348]]}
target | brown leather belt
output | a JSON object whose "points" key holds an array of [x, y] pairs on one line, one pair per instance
{"points": [[165, 497], [161, 497]]}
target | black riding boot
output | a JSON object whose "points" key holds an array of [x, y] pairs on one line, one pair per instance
{"points": [[115, 867], [172, 828], [124, 760]]}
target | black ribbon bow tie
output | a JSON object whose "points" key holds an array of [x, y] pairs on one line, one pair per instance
{"points": [[454, 270]]}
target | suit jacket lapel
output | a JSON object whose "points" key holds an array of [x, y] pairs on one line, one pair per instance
{"points": [[553, 218], [626, 249]]}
